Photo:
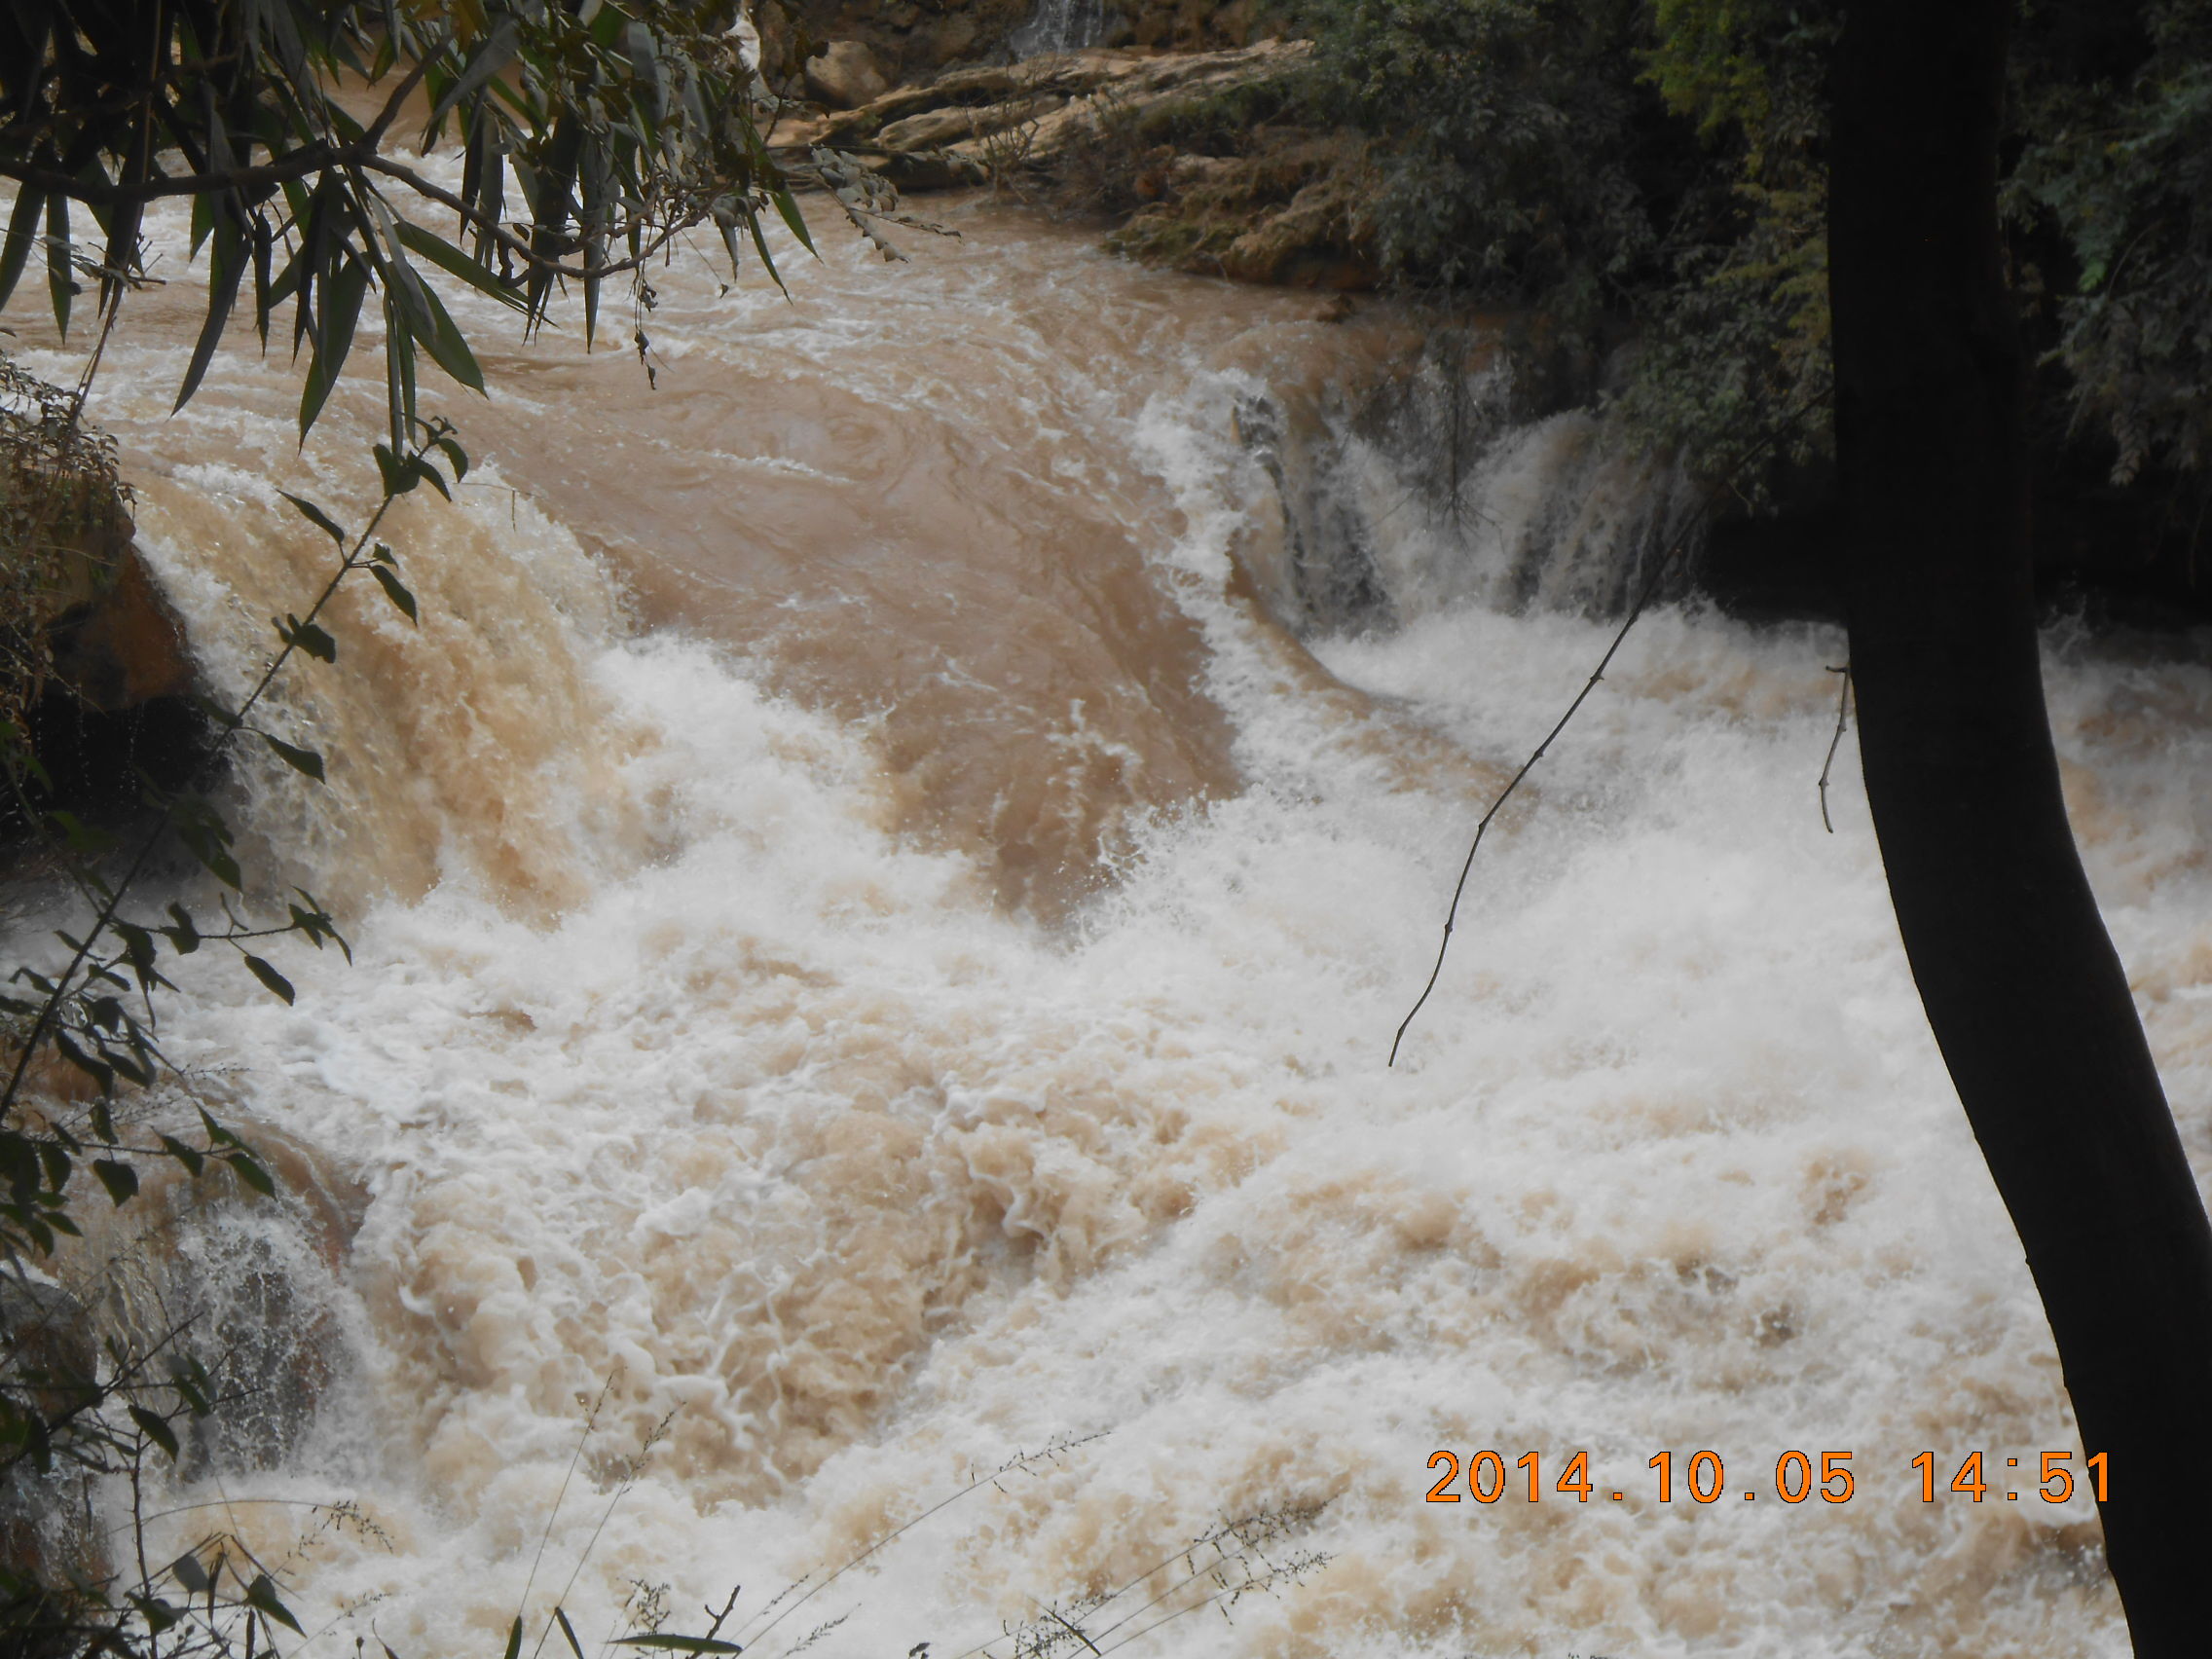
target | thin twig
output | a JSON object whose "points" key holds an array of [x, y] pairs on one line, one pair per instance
{"points": [[1060, 1619], [1835, 742], [1666, 562], [1451, 916], [1020, 1460], [591, 1421]]}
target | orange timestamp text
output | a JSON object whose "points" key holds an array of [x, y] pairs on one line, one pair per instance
{"points": [[1703, 1478]]}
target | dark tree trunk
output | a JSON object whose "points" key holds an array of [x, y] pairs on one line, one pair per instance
{"points": [[2022, 987]]}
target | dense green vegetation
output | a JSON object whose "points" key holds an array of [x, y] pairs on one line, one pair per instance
{"points": [[1663, 163]]}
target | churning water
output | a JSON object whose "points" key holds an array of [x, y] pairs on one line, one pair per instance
{"points": [[872, 948]]}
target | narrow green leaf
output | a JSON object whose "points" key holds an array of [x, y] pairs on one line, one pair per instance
{"points": [[447, 257], [269, 977], [761, 246], [333, 338], [448, 350], [679, 1643], [788, 210], [22, 233], [396, 591], [569, 1631], [60, 282], [230, 260], [156, 1430], [261, 1595], [315, 516], [299, 760], [251, 1171], [493, 56], [514, 1637]]}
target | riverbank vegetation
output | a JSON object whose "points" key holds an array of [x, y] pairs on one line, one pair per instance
{"points": [[1654, 177]]}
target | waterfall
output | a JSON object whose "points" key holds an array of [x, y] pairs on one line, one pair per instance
{"points": [[879, 890], [1060, 26], [1427, 481]]}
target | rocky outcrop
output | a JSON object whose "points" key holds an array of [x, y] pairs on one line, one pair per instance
{"points": [[76, 604], [1285, 212], [1174, 143], [92, 665], [913, 39], [244, 1284], [49, 1363], [122, 647], [1062, 116], [845, 75]]}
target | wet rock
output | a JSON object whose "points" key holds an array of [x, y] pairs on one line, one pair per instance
{"points": [[913, 41], [845, 75], [49, 1365], [960, 120], [1286, 212], [123, 647], [245, 1285]]}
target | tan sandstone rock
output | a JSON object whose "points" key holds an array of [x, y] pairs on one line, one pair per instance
{"points": [[845, 75]]}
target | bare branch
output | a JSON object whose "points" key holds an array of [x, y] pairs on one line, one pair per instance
{"points": [[1842, 714], [1650, 590]]}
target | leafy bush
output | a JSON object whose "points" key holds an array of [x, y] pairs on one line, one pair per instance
{"points": [[1513, 164], [2120, 161]]}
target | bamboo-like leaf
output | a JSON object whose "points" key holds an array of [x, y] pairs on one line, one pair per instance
{"points": [[788, 208], [228, 266], [264, 253], [446, 348], [22, 233], [447, 257], [493, 56], [761, 246], [679, 1643], [60, 284], [333, 335]]}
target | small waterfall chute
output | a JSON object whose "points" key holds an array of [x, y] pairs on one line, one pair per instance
{"points": [[1060, 26]]}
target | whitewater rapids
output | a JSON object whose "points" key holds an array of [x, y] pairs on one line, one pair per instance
{"points": [[867, 937]]}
